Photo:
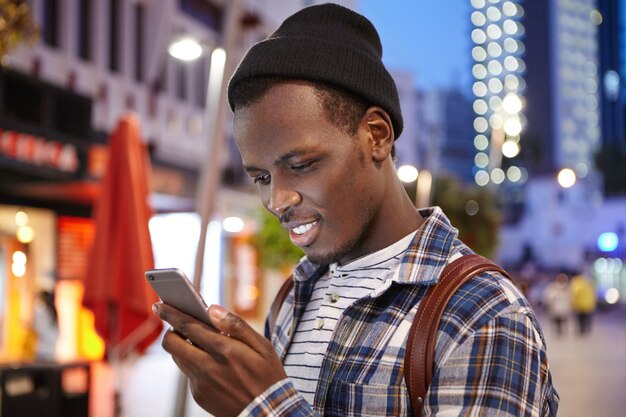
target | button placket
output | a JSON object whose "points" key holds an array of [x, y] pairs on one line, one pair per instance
{"points": [[319, 324]]}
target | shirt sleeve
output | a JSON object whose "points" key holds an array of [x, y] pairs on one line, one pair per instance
{"points": [[281, 399], [500, 369]]}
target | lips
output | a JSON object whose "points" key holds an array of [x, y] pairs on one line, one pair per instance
{"points": [[304, 234]]}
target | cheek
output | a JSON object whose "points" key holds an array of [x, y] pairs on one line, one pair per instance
{"points": [[264, 195], [347, 199]]}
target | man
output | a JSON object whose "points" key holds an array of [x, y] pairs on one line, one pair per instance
{"points": [[315, 119]]}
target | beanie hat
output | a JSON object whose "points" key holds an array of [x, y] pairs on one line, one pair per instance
{"points": [[327, 43]]}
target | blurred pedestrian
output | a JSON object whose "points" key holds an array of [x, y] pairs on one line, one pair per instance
{"points": [[584, 301], [316, 116], [558, 302], [46, 326]]}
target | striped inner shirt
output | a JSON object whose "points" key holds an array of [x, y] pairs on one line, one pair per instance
{"points": [[334, 292]]}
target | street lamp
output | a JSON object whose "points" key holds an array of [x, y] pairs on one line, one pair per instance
{"points": [[185, 49], [424, 187], [210, 177], [423, 183]]}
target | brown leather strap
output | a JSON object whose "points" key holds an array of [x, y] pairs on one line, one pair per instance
{"points": [[278, 302], [420, 350]]}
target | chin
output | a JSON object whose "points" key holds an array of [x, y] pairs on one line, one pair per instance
{"points": [[322, 258], [345, 249]]}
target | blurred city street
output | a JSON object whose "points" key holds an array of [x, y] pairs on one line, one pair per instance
{"points": [[513, 123], [589, 372]]}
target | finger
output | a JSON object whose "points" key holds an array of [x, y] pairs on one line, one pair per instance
{"points": [[178, 319], [171, 343], [173, 330], [235, 327], [207, 338], [187, 327], [186, 355]]}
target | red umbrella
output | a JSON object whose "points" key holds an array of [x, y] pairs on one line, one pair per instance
{"points": [[115, 288]]}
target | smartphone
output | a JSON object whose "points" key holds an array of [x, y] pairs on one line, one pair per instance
{"points": [[175, 289]]}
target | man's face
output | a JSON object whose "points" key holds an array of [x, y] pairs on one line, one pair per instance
{"points": [[319, 181]]}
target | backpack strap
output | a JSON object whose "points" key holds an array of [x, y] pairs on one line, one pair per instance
{"points": [[420, 349], [279, 300]]}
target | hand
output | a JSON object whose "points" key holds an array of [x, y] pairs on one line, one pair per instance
{"points": [[228, 366]]}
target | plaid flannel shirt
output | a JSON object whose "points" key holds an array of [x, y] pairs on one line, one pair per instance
{"points": [[490, 354]]}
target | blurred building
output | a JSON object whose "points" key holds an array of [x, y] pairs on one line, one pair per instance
{"points": [[60, 100], [408, 150], [612, 70], [544, 126], [498, 88], [536, 88], [445, 128], [612, 73], [98, 60], [562, 96]]}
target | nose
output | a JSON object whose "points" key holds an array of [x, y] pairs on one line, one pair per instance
{"points": [[281, 199]]}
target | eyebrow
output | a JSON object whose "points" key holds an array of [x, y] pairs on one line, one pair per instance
{"points": [[280, 160], [289, 155]]}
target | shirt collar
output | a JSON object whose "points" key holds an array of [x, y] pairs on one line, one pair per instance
{"points": [[424, 259], [377, 257], [430, 249]]}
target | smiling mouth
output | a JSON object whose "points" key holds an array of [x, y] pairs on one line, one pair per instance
{"points": [[300, 230], [304, 234]]}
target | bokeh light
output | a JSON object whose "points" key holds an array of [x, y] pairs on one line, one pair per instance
{"points": [[233, 224], [566, 178], [407, 173], [185, 49]]}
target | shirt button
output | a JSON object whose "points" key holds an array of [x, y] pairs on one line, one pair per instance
{"points": [[319, 323], [334, 297]]}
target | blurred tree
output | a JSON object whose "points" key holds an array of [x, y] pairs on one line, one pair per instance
{"points": [[273, 244], [472, 210], [611, 162], [16, 25]]}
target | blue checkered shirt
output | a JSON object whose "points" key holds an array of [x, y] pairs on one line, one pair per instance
{"points": [[490, 354]]}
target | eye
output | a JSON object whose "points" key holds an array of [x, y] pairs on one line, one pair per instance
{"points": [[302, 167], [262, 179]]}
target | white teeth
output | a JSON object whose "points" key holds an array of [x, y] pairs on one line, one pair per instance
{"points": [[303, 229]]}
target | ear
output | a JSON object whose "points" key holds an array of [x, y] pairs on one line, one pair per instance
{"points": [[380, 129]]}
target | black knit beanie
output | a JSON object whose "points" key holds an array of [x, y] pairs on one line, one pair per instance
{"points": [[327, 43]]}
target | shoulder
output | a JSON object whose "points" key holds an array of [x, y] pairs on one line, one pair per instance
{"points": [[482, 300]]}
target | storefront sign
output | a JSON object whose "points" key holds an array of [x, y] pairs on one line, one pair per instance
{"points": [[74, 242], [97, 160], [39, 151], [172, 181]]}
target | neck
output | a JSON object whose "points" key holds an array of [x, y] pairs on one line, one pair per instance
{"points": [[396, 217], [406, 218]]}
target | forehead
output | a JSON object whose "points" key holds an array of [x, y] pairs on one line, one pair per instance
{"points": [[288, 115], [290, 101]]}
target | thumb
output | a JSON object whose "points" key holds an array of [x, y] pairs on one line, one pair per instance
{"points": [[235, 327]]}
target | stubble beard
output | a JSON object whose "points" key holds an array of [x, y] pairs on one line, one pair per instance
{"points": [[367, 216], [343, 251]]}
